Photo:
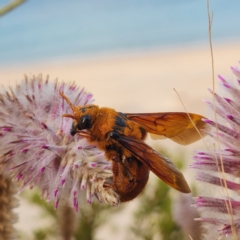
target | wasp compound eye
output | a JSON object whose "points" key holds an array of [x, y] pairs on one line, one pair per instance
{"points": [[84, 122]]}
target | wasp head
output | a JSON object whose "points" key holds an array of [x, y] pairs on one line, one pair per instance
{"points": [[83, 116]]}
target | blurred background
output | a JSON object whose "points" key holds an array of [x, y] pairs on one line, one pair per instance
{"points": [[130, 55]]}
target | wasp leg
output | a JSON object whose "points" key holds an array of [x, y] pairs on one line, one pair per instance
{"points": [[83, 134], [113, 152]]}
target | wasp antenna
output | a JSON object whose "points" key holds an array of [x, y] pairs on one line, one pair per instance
{"points": [[68, 116], [68, 101]]}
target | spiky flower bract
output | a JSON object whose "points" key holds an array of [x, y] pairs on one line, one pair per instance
{"points": [[220, 207], [37, 148]]}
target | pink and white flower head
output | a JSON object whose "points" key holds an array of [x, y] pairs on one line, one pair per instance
{"points": [[38, 150], [220, 167]]}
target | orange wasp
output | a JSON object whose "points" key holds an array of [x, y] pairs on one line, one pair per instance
{"points": [[121, 137]]}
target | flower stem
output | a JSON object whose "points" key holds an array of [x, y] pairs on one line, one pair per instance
{"points": [[10, 6], [7, 202], [67, 222]]}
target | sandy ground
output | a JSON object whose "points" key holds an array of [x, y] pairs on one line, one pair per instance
{"points": [[138, 82]]}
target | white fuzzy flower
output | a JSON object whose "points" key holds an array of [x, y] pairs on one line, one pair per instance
{"points": [[38, 150]]}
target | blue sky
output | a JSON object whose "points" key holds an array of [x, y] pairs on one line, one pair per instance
{"points": [[45, 29]]}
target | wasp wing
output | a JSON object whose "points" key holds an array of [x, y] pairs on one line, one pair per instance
{"points": [[158, 164], [176, 126]]}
